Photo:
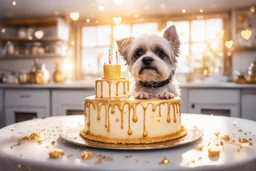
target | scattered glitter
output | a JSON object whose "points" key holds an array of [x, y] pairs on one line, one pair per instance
{"points": [[87, 155], [225, 138], [128, 156], [213, 151], [242, 140], [56, 153], [199, 148], [217, 133], [165, 161]]}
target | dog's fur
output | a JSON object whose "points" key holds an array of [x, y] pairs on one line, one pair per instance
{"points": [[152, 58]]}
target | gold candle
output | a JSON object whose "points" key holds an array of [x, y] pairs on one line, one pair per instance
{"points": [[112, 71]]}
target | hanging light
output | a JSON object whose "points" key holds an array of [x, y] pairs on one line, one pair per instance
{"points": [[229, 44], [246, 34], [117, 20], [74, 16]]}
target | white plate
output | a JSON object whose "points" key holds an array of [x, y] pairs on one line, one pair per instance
{"points": [[72, 135]]}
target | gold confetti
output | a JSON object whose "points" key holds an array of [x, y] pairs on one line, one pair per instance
{"points": [[56, 153], [164, 161], [217, 133], [225, 137], [199, 148], [87, 155], [213, 151], [242, 140]]}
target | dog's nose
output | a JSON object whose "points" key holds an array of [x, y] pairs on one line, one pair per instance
{"points": [[147, 60]]}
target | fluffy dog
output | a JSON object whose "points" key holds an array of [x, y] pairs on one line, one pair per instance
{"points": [[152, 62]]}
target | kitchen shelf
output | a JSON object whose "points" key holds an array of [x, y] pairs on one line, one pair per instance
{"points": [[241, 49], [10, 57], [17, 39]]}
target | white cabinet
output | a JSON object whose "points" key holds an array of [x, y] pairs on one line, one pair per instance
{"points": [[185, 100], [25, 104], [1, 109], [224, 102], [248, 104], [69, 102]]}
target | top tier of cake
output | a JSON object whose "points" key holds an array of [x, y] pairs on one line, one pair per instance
{"points": [[112, 85]]}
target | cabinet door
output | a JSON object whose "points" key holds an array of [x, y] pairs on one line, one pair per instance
{"points": [[18, 114], [65, 102], [185, 100], [1, 109], [249, 104]]}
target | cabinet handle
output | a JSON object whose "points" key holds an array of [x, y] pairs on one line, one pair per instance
{"points": [[193, 106], [25, 96]]}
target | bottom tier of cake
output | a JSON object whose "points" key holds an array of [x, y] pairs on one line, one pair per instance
{"points": [[132, 121]]}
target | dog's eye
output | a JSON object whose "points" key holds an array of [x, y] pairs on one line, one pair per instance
{"points": [[139, 53], [160, 53]]}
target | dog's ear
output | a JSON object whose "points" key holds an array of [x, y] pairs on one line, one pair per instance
{"points": [[123, 44], [171, 35]]}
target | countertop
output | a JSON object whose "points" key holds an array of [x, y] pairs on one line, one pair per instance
{"points": [[234, 155], [91, 85]]}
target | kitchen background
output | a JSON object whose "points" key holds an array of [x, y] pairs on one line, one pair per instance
{"points": [[52, 51]]}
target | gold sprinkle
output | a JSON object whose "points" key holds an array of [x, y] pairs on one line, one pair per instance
{"points": [[217, 133], [53, 142], [199, 158], [101, 158], [250, 139], [193, 161], [117, 119], [33, 136], [19, 166], [164, 161], [199, 148], [242, 140], [240, 130], [250, 143], [56, 153], [128, 156], [87, 155], [225, 137], [221, 143], [213, 151]]}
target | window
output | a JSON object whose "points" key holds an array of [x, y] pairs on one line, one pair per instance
{"points": [[96, 41], [201, 46]]}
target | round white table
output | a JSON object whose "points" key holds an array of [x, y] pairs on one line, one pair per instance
{"points": [[31, 155]]}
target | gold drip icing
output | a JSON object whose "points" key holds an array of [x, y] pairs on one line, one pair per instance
{"points": [[110, 82], [108, 120], [174, 113], [145, 133], [168, 113], [134, 118], [117, 83], [132, 105], [124, 91]]}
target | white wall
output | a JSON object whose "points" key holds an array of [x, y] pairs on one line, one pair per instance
{"points": [[242, 60]]}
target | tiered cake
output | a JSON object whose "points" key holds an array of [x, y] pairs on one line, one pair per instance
{"points": [[112, 116]]}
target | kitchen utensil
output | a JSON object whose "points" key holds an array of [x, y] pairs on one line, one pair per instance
{"points": [[42, 74], [2, 78], [24, 77], [58, 75], [252, 72]]}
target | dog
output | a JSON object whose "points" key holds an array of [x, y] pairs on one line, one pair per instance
{"points": [[152, 61]]}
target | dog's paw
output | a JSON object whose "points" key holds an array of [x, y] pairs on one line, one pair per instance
{"points": [[165, 95], [141, 95]]}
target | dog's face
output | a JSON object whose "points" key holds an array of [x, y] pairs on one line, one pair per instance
{"points": [[151, 57]]}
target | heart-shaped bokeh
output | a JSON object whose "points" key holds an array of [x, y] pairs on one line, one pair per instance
{"points": [[246, 34]]}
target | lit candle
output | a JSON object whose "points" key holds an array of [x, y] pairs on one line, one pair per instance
{"points": [[116, 57], [109, 55]]}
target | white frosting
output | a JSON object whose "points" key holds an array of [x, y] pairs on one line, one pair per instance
{"points": [[155, 125], [103, 91]]}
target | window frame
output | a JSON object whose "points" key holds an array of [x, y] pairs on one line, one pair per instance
{"points": [[162, 21]]}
